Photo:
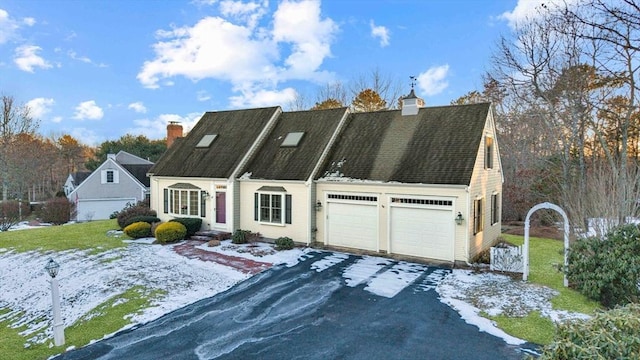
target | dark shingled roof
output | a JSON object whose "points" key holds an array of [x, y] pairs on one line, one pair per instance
{"points": [[139, 171], [272, 161], [437, 146], [80, 176], [237, 130]]}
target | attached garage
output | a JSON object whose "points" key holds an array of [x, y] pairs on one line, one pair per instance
{"points": [[422, 227], [352, 221], [92, 209]]}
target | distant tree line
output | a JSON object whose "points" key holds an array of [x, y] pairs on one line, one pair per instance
{"points": [[35, 168]]}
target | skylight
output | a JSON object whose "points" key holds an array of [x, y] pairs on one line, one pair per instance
{"points": [[292, 139], [206, 140]]}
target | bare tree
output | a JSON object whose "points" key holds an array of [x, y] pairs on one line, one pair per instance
{"points": [[16, 119], [388, 88], [615, 28]]}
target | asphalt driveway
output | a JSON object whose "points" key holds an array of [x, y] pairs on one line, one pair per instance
{"points": [[329, 306]]}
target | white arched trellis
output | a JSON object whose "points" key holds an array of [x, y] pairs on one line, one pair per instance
{"points": [[555, 207]]}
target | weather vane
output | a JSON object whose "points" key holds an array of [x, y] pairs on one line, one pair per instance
{"points": [[413, 81]]}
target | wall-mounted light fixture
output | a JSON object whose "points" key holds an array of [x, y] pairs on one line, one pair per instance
{"points": [[318, 206], [205, 194], [459, 218]]}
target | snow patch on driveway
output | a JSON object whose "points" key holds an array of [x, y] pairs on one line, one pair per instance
{"points": [[394, 280], [329, 261], [363, 269]]}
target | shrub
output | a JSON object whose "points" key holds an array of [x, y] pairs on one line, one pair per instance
{"points": [[144, 218], [170, 231], [192, 224], [138, 230], [607, 270], [11, 213], [139, 209], [56, 211], [609, 334], [284, 243], [241, 236]]}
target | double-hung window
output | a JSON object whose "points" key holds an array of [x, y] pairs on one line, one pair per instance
{"points": [[495, 209], [478, 216], [272, 206]]}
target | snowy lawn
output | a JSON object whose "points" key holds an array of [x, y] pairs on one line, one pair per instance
{"points": [[525, 310], [103, 289]]}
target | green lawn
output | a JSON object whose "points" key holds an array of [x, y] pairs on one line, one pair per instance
{"points": [[545, 257], [104, 319], [81, 236]]}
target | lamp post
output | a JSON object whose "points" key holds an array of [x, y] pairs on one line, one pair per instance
{"points": [[52, 268]]}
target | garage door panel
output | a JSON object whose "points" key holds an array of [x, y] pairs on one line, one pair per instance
{"points": [[100, 209], [422, 232], [353, 225]]}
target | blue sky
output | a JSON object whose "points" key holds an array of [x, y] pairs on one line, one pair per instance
{"points": [[100, 69]]}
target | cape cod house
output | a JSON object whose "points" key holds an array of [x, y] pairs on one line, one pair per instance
{"points": [[118, 181], [420, 182]]}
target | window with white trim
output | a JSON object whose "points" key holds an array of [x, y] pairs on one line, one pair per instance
{"points": [[478, 217], [109, 176], [185, 202], [495, 209], [272, 208]]}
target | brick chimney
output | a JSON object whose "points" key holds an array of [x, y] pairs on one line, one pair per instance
{"points": [[174, 131]]}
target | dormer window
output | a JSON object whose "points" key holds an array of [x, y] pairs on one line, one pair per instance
{"points": [[292, 139], [206, 140]]}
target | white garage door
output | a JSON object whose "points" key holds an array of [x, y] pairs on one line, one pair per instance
{"points": [[423, 232], [352, 223], [100, 209]]}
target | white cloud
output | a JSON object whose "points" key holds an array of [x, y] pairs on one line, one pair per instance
{"points": [[87, 136], [72, 54], [380, 32], [238, 51], [249, 12], [300, 24], [39, 107], [27, 59], [433, 81], [8, 26], [138, 107], [262, 98], [526, 10], [88, 110], [213, 48], [29, 21], [157, 128], [202, 95], [56, 119]]}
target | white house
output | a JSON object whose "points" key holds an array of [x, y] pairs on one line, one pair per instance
{"points": [[421, 182]]}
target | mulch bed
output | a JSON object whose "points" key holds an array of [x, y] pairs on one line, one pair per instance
{"points": [[247, 266]]}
